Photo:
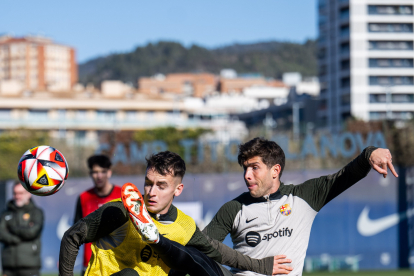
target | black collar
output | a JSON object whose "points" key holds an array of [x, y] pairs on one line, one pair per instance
{"points": [[170, 216], [276, 195]]}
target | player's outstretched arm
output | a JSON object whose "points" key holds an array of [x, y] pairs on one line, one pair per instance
{"points": [[91, 228], [380, 160], [319, 191]]}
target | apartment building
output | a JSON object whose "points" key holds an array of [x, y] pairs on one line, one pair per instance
{"points": [[81, 115], [365, 52], [185, 84], [36, 63]]}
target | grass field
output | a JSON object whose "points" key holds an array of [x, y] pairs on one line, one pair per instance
{"points": [[365, 273]]}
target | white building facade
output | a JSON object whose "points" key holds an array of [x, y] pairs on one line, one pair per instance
{"points": [[365, 53]]}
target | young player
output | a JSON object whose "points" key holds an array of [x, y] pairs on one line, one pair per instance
{"points": [[119, 249], [273, 217], [102, 192]]}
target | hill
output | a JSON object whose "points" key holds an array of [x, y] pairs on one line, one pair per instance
{"points": [[271, 59]]}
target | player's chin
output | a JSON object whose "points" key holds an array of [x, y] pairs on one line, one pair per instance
{"points": [[152, 209], [254, 194]]}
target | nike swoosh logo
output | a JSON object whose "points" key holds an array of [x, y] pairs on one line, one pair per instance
{"points": [[369, 227], [247, 221], [62, 226]]}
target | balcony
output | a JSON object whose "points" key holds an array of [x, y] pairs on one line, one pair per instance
{"points": [[113, 124]]}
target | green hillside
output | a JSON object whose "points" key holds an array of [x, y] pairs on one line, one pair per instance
{"points": [[271, 59]]}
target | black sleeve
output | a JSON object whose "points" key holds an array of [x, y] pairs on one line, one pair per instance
{"points": [[234, 258], [222, 223], [78, 211], [225, 255], [199, 241], [319, 191], [96, 225], [5, 236], [33, 230]]}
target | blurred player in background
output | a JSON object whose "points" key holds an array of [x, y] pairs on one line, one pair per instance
{"points": [[20, 230], [273, 217], [123, 248], [102, 192]]}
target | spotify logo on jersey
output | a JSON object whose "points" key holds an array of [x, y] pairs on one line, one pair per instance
{"points": [[253, 238], [146, 253]]}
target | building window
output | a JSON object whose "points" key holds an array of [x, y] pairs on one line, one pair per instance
{"points": [[345, 116], [39, 115], [402, 115], [105, 115], [81, 114], [345, 64], [5, 113], [344, 13], [344, 48], [130, 115], [377, 115], [394, 98], [390, 27], [345, 99], [391, 62], [322, 19], [61, 114], [390, 45], [80, 134], [390, 9], [398, 115], [402, 98], [377, 98], [345, 82], [390, 80], [344, 31]]}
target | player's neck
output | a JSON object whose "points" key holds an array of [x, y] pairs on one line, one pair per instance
{"points": [[105, 190], [275, 186]]}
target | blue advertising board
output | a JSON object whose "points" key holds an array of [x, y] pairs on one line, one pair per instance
{"points": [[360, 224]]}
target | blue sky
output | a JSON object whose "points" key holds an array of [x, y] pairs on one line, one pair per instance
{"points": [[102, 27]]}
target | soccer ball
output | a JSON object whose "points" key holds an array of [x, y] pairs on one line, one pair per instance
{"points": [[42, 170]]}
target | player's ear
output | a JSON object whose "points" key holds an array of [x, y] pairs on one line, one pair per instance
{"points": [[178, 189], [109, 173], [276, 171]]}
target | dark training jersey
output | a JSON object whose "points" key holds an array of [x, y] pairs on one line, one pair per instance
{"points": [[280, 223], [88, 202], [107, 228]]}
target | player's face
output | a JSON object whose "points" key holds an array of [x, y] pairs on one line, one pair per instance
{"points": [[21, 197], [160, 191], [258, 177], [100, 176]]}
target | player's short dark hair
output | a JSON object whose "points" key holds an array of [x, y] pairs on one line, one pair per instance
{"points": [[166, 162], [100, 160], [270, 152]]}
